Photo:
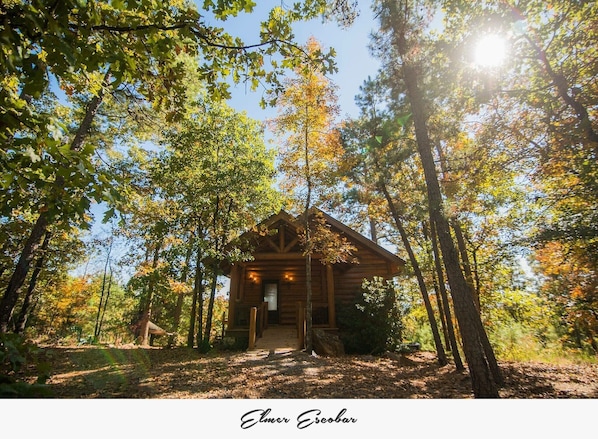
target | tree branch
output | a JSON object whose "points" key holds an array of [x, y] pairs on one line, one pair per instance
{"points": [[562, 86], [194, 28]]}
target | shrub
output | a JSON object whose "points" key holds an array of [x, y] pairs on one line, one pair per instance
{"points": [[236, 343], [15, 354], [204, 346], [374, 324]]}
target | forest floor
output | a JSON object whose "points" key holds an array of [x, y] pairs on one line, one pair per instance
{"points": [[181, 373]]}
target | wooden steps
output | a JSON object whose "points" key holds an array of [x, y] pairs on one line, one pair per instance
{"points": [[278, 339]]}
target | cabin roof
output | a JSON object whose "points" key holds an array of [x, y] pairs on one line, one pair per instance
{"points": [[359, 238], [256, 232]]}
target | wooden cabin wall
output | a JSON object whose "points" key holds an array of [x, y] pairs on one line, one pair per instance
{"points": [[289, 292], [348, 279]]}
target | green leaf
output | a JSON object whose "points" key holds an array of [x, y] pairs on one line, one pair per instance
{"points": [[108, 215], [402, 120]]}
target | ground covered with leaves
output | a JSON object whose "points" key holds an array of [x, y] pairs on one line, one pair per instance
{"points": [[133, 372]]}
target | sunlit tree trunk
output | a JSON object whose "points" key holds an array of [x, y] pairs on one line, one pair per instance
{"points": [[181, 298], [445, 301], [96, 332], [442, 360], [34, 240], [483, 383], [474, 292], [439, 304], [147, 308], [398, 20], [108, 290]]}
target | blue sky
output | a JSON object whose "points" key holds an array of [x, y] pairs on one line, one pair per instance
{"points": [[353, 60]]}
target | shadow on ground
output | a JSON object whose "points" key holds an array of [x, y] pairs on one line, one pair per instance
{"points": [[103, 372]]}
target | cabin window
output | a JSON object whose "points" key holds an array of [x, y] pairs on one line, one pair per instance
{"points": [[271, 295]]}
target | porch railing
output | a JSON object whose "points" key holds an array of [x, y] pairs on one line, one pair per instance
{"points": [[255, 318], [258, 321]]}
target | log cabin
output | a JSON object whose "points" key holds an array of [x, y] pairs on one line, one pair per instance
{"points": [[270, 287]]}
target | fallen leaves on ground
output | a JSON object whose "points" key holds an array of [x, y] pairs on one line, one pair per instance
{"points": [[181, 373]]}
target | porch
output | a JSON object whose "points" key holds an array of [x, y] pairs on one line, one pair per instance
{"points": [[277, 339], [251, 322]]}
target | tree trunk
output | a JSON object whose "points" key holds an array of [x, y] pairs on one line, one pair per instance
{"points": [[207, 333], [373, 231], [220, 242], [476, 273], [483, 384], [179, 302], [308, 306], [13, 289], [492, 362], [474, 289], [197, 286], [27, 307], [147, 309], [465, 261], [178, 310], [33, 242], [192, 318], [440, 305], [442, 360], [96, 332], [308, 243], [105, 303], [445, 302], [308, 285], [200, 315]]}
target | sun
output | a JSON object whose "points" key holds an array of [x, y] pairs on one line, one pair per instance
{"points": [[490, 51]]}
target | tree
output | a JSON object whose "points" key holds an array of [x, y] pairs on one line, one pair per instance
{"points": [[539, 105], [105, 292], [403, 38], [94, 48], [306, 111], [217, 170], [51, 206], [375, 151], [571, 286], [151, 221], [27, 306]]}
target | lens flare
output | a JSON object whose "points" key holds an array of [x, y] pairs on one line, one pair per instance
{"points": [[490, 51]]}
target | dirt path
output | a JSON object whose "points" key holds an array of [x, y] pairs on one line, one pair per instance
{"points": [[131, 372]]}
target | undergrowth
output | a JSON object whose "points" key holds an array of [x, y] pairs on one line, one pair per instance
{"points": [[16, 354]]}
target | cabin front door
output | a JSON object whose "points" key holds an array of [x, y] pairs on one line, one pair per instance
{"points": [[271, 298]]}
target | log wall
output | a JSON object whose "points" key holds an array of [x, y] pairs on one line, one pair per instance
{"points": [[348, 279], [291, 285], [290, 275]]}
